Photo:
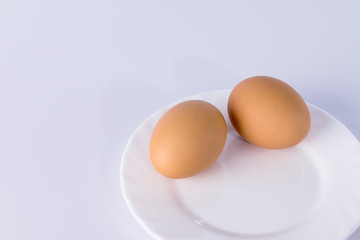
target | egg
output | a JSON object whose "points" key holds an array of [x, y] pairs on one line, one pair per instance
{"points": [[268, 112], [187, 139]]}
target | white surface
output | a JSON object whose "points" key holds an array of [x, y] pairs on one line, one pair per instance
{"points": [[250, 192], [77, 78]]}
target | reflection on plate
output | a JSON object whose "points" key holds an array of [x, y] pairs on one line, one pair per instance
{"points": [[310, 191]]}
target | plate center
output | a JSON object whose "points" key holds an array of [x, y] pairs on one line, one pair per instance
{"points": [[252, 190]]}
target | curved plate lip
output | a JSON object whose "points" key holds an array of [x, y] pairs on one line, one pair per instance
{"points": [[132, 206]]}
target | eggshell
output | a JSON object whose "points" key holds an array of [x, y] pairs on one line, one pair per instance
{"points": [[268, 112], [187, 139]]}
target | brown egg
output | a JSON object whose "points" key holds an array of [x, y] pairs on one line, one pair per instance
{"points": [[268, 112], [187, 139]]}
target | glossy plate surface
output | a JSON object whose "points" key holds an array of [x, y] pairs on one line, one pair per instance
{"points": [[310, 191]]}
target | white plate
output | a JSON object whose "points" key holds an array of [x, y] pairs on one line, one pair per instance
{"points": [[310, 191]]}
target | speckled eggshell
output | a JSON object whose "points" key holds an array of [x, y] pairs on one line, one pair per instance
{"points": [[187, 139], [268, 112]]}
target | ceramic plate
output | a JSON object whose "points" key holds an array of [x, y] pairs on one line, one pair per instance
{"points": [[310, 191]]}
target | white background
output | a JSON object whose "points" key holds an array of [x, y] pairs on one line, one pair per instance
{"points": [[77, 78]]}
